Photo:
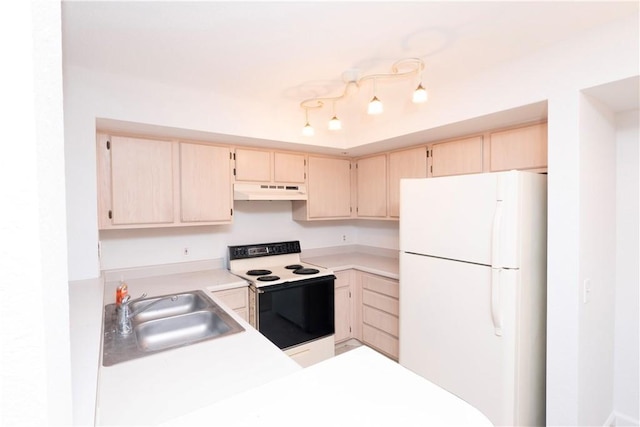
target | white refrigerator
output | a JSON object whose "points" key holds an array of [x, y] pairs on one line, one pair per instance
{"points": [[473, 289]]}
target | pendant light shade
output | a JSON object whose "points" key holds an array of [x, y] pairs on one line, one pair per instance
{"points": [[375, 106], [334, 123], [307, 130], [420, 95]]}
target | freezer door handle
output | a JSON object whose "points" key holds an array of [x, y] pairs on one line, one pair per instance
{"points": [[496, 311]]}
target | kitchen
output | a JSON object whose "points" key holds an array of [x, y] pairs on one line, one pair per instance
{"points": [[571, 188]]}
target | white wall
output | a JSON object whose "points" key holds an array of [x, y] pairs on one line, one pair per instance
{"points": [[254, 222], [627, 299], [35, 368], [597, 259]]}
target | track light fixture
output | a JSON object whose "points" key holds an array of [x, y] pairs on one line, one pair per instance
{"points": [[400, 69]]}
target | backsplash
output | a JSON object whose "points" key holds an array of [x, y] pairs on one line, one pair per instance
{"points": [[254, 222]]}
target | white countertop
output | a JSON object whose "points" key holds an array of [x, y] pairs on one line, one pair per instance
{"points": [[155, 388], [245, 380], [358, 388], [381, 264]]}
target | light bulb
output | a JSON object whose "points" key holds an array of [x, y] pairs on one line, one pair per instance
{"points": [[307, 130], [375, 106], [420, 94], [334, 123]]}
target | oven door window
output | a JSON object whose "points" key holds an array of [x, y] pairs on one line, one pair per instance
{"points": [[297, 312]]}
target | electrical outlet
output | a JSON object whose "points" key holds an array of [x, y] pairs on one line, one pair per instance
{"points": [[185, 252], [586, 291], [344, 237]]}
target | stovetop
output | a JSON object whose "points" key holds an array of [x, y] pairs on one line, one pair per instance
{"points": [[280, 273], [267, 264]]}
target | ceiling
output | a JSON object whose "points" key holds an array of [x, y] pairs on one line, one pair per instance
{"points": [[280, 53]]}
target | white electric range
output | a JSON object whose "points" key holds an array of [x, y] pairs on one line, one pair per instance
{"points": [[290, 302]]}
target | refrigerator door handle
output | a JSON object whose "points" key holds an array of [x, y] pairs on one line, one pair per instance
{"points": [[496, 312], [496, 261]]}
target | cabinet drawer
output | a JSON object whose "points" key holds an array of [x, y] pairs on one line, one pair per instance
{"points": [[381, 285], [379, 301], [233, 298], [380, 340], [380, 320]]}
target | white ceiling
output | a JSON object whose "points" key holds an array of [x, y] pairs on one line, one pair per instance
{"points": [[284, 52]]}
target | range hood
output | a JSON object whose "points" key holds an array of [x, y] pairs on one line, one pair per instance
{"points": [[269, 192]]}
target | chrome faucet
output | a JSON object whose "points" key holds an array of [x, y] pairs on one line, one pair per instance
{"points": [[124, 315]]}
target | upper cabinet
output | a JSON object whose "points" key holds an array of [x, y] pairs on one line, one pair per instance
{"points": [[520, 148], [155, 182], [410, 163], [266, 166], [371, 187], [328, 188], [205, 183], [457, 157], [158, 183]]}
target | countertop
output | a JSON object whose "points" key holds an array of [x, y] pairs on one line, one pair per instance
{"points": [[383, 262], [168, 384], [358, 388], [244, 380]]}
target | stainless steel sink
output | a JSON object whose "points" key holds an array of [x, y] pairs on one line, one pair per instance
{"points": [[172, 321], [173, 331], [165, 307]]}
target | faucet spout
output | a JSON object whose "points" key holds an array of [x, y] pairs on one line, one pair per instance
{"points": [[124, 326]]}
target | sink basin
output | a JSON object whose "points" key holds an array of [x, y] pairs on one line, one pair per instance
{"points": [[185, 303], [172, 321], [173, 331]]}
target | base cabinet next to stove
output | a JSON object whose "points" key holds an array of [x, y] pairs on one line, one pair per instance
{"points": [[380, 309], [344, 304], [236, 299], [367, 309]]}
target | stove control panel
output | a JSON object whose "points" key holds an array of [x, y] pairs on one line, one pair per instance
{"points": [[264, 249]]}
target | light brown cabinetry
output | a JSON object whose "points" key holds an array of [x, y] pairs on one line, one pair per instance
{"points": [[457, 157], [371, 187], [205, 182], [265, 166], [343, 305], [328, 188], [136, 181], [380, 311], [519, 148], [236, 299], [410, 163], [145, 182]]}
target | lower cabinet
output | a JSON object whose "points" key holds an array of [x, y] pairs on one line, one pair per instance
{"points": [[236, 299], [380, 309], [343, 305]]}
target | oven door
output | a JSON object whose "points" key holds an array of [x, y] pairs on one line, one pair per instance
{"points": [[294, 313]]}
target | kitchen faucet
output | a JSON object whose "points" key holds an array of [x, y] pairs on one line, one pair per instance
{"points": [[124, 315]]}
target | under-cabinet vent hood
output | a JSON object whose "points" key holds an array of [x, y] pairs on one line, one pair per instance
{"points": [[269, 192]]}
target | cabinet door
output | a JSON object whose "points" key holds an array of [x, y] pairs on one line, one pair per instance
{"points": [[372, 186], [404, 164], [521, 148], [289, 168], [236, 299], [457, 157], [329, 188], [141, 181], [342, 306], [253, 165], [205, 183]]}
